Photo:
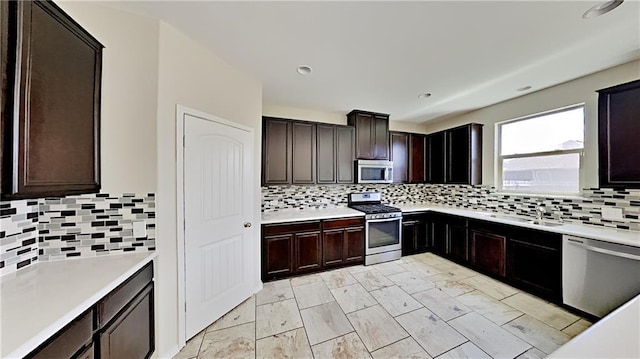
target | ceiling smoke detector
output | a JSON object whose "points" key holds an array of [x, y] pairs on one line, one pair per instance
{"points": [[602, 8], [304, 70], [524, 88], [424, 95]]}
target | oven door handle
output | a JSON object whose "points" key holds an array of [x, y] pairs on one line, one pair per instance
{"points": [[604, 251], [384, 220]]}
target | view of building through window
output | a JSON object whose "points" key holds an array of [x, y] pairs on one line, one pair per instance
{"points": [[541, 153]]}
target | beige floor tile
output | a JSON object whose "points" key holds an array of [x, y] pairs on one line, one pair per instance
{"points": [[431, 332], [376, 327], [410, 282], [537, 333], [533, 353], [395, 300], [541, 310], [192, 347], [430, 259], [234, 342], [420, 268], [577, 327], [353, 297], [338, 278], [490, 286], [345, 347], [406, 348], [288, 345], [244, 313], [305, 279], [357, 269], [442, 304], [372, 280], [489, 337], [309, 295], [277, 317], [489, 307], [274, 291], [324, 322], [466, 350], [450, 286], [389, 268], [454, 271]]}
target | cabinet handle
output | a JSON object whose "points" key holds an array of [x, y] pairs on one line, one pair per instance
{"points": [[247, 224]]}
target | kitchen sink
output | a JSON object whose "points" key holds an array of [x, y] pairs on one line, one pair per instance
{"points": [[527, 220], [545, 223]]}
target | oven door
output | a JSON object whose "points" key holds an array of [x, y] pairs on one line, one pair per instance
{"points": [[383, 235]]}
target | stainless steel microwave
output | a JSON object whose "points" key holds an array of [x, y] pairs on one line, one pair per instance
{"points": [[374, 171]]}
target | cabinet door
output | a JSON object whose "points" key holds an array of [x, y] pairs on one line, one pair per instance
{"points": [[457, 155], [416, 158], [409, 244], [354, 245], [457, 241], [536, 268], [436, 158], [326, 154], [308, 251], [303, 153], [380, 138], [130, 335], [618, 121], [488, 251], [364, 134], [422, 236], [69, 340], [277, 256], [55, 107], [276, 151], [333, 247], [438, 235], [346, 153], [400, 156]]}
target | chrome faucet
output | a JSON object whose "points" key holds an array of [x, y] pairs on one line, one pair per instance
{"points": [[558, 212], [540, 211]]}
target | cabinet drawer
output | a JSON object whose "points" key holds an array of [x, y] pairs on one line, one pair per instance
{"points": [[110, 305], [295, 227], [88, 353], [69, 340], [343, 223]]}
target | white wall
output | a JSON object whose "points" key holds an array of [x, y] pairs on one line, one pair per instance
{"points": [[338, 118], [129, 94], [581, 90], [192, 76]]}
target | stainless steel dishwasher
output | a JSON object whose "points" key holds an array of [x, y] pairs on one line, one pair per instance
{"points": [[598, 276]]}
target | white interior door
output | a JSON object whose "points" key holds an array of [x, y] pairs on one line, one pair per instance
{"points": [[218, 211]]}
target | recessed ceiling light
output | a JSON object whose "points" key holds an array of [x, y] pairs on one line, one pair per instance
{"points": [[304, 70], [602, 8], [424, 95], [524, 88]]}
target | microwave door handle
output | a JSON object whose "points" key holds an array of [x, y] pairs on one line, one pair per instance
{"points": [[388, 174]]}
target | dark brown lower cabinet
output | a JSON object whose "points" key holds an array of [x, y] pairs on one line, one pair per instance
{"points": [[488, 251], [120, 325], [414, 234], [438, 226], [457, 241], [308, 249], [342, 242]]}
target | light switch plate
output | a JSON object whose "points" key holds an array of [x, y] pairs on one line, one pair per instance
{"points": [[612, 213], [139, 229]]}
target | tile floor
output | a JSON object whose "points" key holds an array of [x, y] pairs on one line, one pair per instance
{"points": [[420, 306]]}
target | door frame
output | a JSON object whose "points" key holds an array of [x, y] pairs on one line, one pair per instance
{"points": [[181, 111]]}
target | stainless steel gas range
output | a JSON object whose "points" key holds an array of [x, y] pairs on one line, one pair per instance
{"points": [[383, 227]]}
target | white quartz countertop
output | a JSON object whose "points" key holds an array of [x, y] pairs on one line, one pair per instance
{"points": [[37, 301], [614, 336], [612, 235], [309, 215]]}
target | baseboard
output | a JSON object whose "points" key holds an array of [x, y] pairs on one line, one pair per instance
{"points": [[170, 353]]}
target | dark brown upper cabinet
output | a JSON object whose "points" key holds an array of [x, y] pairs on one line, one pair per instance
{"points": [[435, 157], [618, 127], [346, 153], [400, 156], [463, 158], [303, 153], [417, 172], [276, 151], [51, 79], [335, 153], [372, 134]]}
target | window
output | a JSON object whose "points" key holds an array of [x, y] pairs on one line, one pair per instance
{"points": [[541, 153]]}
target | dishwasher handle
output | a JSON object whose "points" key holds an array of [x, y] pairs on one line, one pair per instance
{"points": [[580, 243]]}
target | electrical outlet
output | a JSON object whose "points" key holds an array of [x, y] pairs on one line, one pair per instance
{"points": [[139, 229], [473, 200], [612, 213]]}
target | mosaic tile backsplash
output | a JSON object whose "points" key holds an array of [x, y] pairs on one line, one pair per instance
{"points": [[74, 226], [586, 209]]}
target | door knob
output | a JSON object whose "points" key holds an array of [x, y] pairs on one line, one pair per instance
{"points": [[247, 224]]}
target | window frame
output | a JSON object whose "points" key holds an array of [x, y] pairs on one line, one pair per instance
{"points": [[499, 158]]}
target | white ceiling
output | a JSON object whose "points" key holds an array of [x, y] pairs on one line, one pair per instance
{"points": [[380, 55]]}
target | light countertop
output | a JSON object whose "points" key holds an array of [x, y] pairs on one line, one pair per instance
{"points": [[308, 215], [41, 299], [614, 336]]}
